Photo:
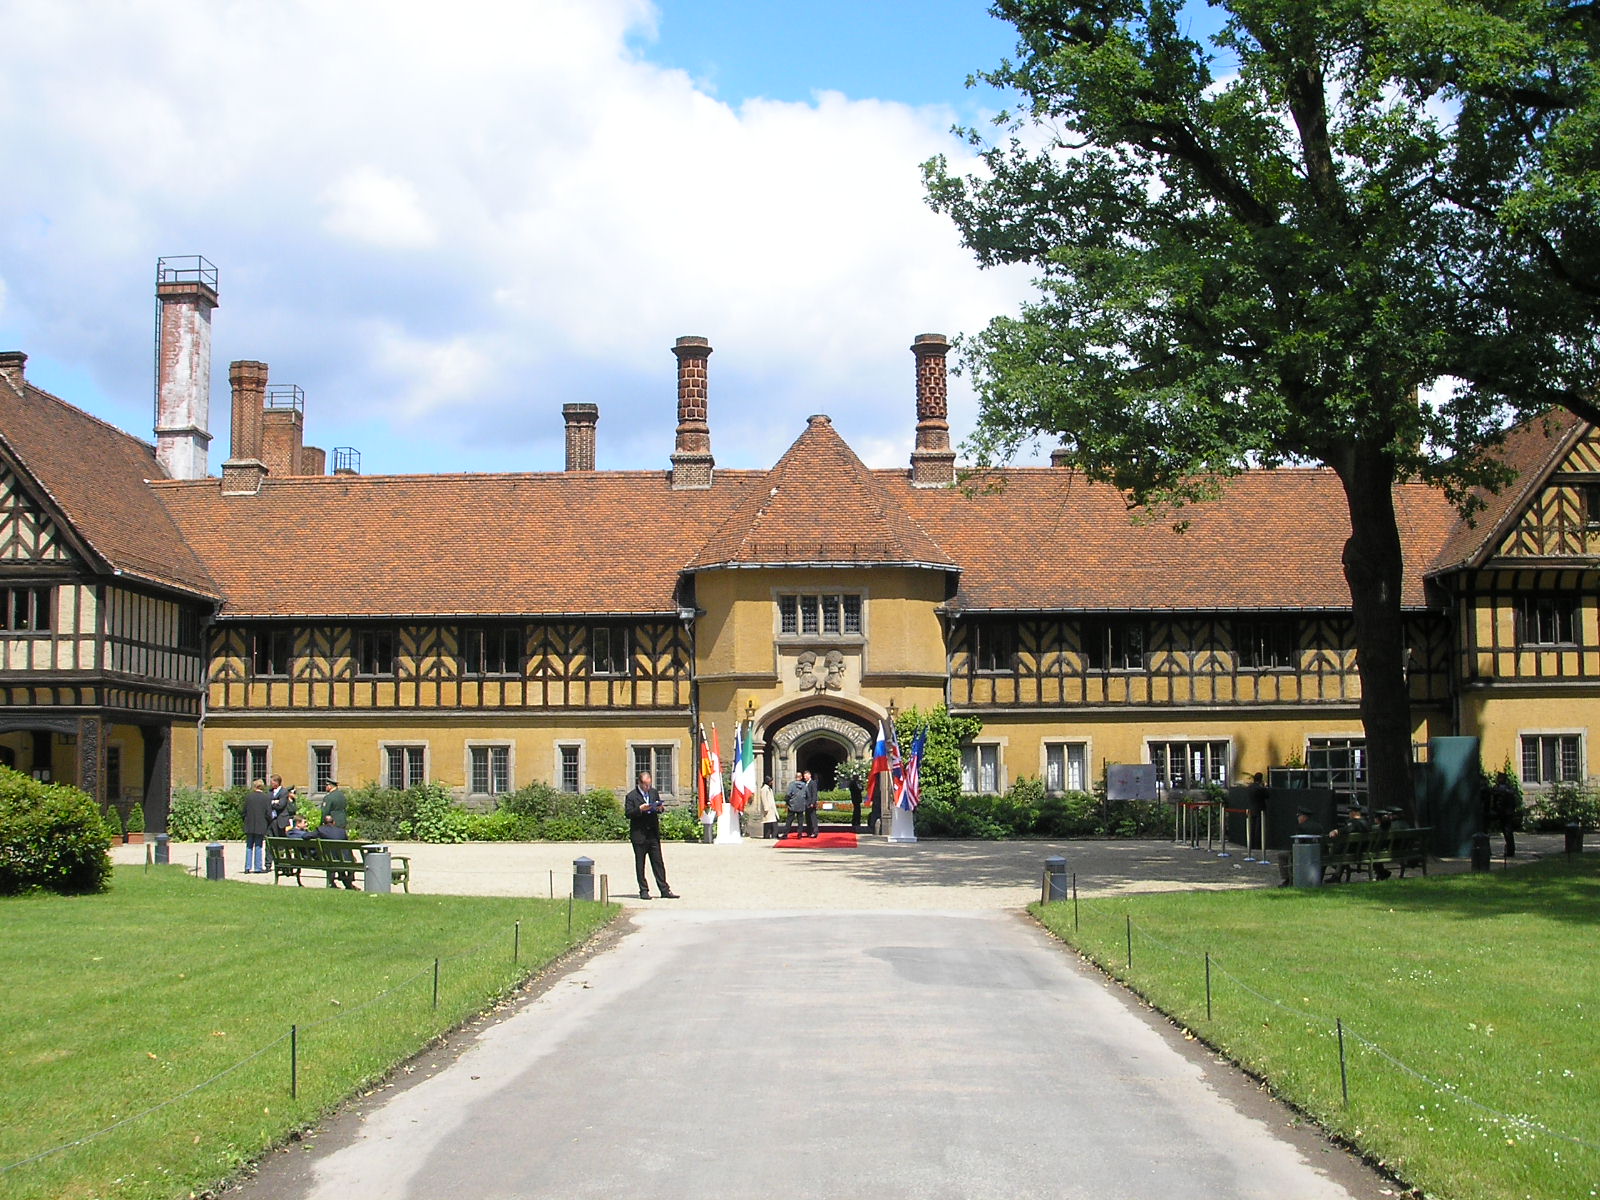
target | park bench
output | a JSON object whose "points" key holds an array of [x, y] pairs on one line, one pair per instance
{"points": [[291, 856], [1364, 852]]}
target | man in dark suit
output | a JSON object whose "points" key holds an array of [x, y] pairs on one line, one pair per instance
{"points": [[794, 801], [329, 832], [813, 803], [257, 822], [644, 808]]}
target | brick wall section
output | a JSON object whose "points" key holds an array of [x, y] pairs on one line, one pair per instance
{"points": [[692, 462], [313, 461], [581, 421], [281, 443], [933, 463]]}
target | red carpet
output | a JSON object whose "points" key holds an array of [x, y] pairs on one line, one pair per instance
{"points": [[823, 841]]}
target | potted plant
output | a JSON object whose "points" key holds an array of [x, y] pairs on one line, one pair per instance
{"points": [[133, 826]]}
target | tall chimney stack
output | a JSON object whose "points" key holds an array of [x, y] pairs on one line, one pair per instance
{"points": [[933, 463], [581, 420], [283, 427], [691, 457], [243, 472], [186, 292]]}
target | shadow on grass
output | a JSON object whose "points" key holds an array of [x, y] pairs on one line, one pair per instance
{"points": [[1554, 888]]}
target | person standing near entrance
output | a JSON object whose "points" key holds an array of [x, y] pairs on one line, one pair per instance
{"points": [[257, 821], [644, 808], [813, 803], [767, 809], [795, 801]]}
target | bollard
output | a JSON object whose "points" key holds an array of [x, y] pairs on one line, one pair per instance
{"points": [[1480, 852], [583, 878], [214, 865], [1574, 838], [163, 849], [1055, 878], [379, 875], [1307, 860]]}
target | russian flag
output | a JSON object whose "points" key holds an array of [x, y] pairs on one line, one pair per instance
{"points": [[880, 753]]}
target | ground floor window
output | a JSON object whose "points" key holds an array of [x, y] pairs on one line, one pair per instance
{"points": [[1189, 764], [980, 768], [491, 770], [569, 768], [405, 766], [1066, 767], [1551, 758], [658, 760], [246, 764], [1338, 764], [321, 768]]}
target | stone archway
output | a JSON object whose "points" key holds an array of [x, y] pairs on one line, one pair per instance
{"points": [[816, 741]]}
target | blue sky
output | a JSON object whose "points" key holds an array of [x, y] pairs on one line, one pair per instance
{"points": [[444, 229]]}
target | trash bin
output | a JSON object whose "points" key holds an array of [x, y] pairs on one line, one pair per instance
{"points": [[163, 848], [214, 865], [379, 873], [1574, 838], [1480, 852], [1307, 860], [583, 878], [1055, 879]]}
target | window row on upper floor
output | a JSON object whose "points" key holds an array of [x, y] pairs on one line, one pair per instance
{"points": [[489, 650]]}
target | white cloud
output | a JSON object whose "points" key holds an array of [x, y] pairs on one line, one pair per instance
{"points": [[490, 212]]}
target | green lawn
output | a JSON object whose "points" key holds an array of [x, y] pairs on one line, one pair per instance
{"points": [[1470, 1006], [115, 1003]]}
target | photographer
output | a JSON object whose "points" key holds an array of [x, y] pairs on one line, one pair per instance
{"points": [[644, 808]]}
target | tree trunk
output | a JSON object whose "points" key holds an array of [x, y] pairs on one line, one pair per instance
{"points": [[1374, 568]]}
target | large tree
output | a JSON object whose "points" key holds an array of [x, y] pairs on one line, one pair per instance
{"points": [[1258, 247]]}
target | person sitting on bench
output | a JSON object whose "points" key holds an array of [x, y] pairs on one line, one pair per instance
{"points": [[330, 832]]}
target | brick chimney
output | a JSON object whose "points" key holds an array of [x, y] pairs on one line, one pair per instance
{"points": [[12, 364], [313, 461], [243, 472], [1061, 457], [283, 430], [186, 294], [691, 455], [581, 420], [933, 463]]}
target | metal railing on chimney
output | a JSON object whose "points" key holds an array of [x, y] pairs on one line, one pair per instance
{"points": [[186, 268], [346, 460], [286, 396]]}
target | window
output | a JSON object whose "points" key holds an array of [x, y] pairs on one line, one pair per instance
{"points": [[980, 768], [491, 650], [1114, 644], [321, 767], [1591, 505], [113, 771], [569, 768], [1547, 620], [1066, 767], [1185, 765], [246, 764], [189, 626], [375, 652], [270, 647], [491, 770], [608, 650], [826, 613], [658, 761], [994, 646], [1338, 764], [1551, 758], [26, 609], [1267, 644], [404, 766]]}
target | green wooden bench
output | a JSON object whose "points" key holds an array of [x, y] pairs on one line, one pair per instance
{"points": [[291, 856], [1365, 852]]}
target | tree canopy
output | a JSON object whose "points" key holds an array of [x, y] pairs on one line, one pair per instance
{"points": [[1261, 246]]}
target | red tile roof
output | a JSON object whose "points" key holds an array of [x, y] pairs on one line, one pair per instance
{"points": [[1046, 538], [819, 504], [94, 475]]}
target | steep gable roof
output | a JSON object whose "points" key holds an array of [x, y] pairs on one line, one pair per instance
{"points": [[1045, 538], [575, 543], [94, 476], [1534, 450], [820, 505]]}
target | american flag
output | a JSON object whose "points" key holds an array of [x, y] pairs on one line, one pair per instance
{"points": [[909, 793]]}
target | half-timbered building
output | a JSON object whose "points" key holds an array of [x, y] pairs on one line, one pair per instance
{"points": [[576, 626]]}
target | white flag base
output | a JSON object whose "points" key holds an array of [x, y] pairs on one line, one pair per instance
{"points": [[903, 825], [728, 826]]}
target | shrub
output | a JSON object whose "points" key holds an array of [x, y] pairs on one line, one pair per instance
{"points": [[51, 836], [435, 817], [498, 826], [194, 815], [537, 800], [1563, 804], [680, 824], [377, 813]]}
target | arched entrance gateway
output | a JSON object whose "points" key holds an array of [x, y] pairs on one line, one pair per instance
{"points": [[817, 739]]}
